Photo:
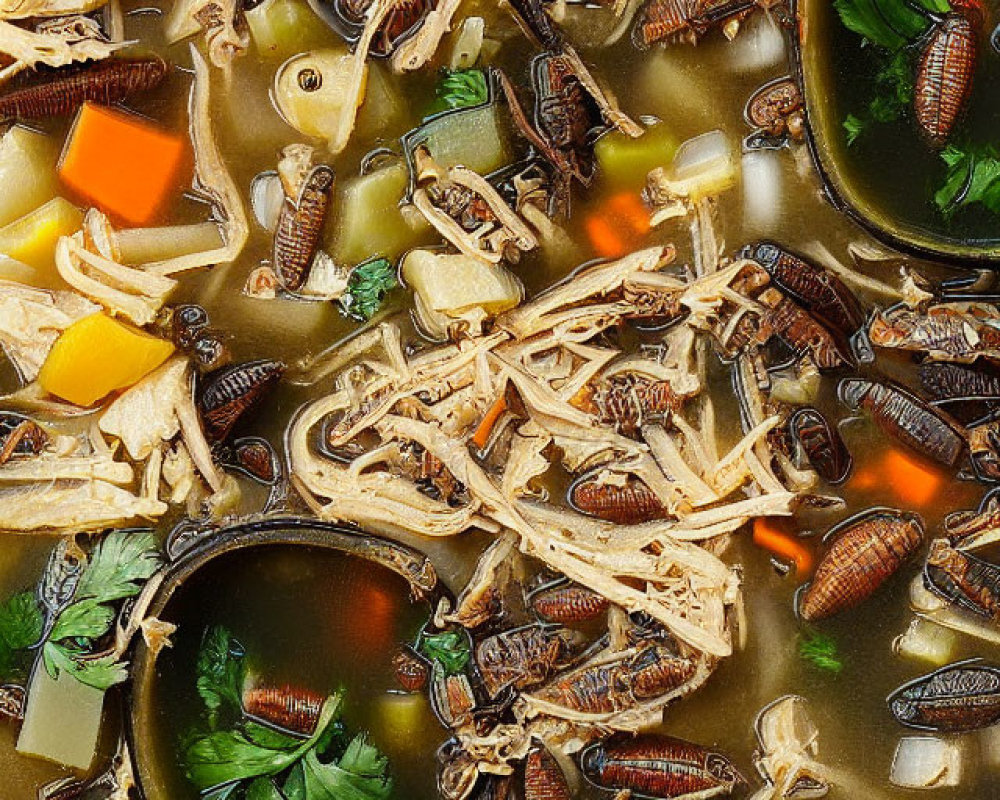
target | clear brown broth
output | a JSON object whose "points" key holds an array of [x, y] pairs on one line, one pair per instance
{"points": [[857, 733]]}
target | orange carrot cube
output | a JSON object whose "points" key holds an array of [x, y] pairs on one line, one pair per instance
{"points": [[121, 163]]}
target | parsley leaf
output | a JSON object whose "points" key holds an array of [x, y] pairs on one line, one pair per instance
{"points": [[367, 287], [973, 178], [891, 24], [361, 773], [893, 96], [263, 789], [819, 650], [101, 673], [21, 625], [221, 669], [118, 565], [460, 88], [854, 126], [450, 649], [87, 619]]}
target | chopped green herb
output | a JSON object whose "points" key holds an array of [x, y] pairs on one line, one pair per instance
{"points": [[891, 24], [221, 670], [450, 649], [361, 773], [101, 673], [120, 563], [819, 650], [973, 178], [21, 625], [367, 287], [854, 126], [893, 96], [460, 88]]}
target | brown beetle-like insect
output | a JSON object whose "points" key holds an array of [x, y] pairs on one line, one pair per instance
{"points": [[776, 109], [867, 551], [627, 504], [822, 445], [412, 670], [945, 72], [568, 603], [963, 579], [20, 436], [904, 416], [659, 766], [300, 226], [944, 381], [227, 395], [959, 697], [628, 401], [802, 332], [686, 21], [65, 90], [524, 657], [288, 707], [544, 778]]}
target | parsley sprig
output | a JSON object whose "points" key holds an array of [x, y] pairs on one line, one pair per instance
{"points": [[460, 88], [21, 626], [973, 178], [367, 287]]}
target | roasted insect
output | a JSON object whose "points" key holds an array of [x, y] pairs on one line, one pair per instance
{"points": [[775, 110], [943, 333], [20, 436], [255, 457], [688, 20], [802, 332], [65, 90], [822, 445], [866, 552], [300, 225], [402, 19], [227, 395], [820, 292], [984, 448], [904, 416], [951, 382], [544, 778], [568, 603], [627, 503], [628, 401], [660, 766], [411, 669], [959, 697], [963, 579], [288, 707], [12, 701], [945, 72], [524, 657]]}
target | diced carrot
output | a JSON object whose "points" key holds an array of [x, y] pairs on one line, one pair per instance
{"points": [[98, 355], [618, 225], [121, 163], [914, 482], [482, 433], [770, 534]]}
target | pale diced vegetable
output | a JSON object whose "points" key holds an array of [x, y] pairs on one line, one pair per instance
{"points": [[624, 162], [280, 28], [401, 720], [989, 747], [383, 106], [473, 138], [763, 186], [760, 45], [62, 720], [145, 245], [369, 221], [926, 762], [467, 43], [925, 641], [27, 171], [704, 166], [11, 270], [454, 283], [32, 238]]}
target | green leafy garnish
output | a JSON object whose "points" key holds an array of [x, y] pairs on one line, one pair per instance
{"points": [[893, 98], [460, 88], [450, 649], [361, 773], [819, 650], [221, 670], [118, 566], [21, 626], [367, 287], [973, 178], [891, 24]]}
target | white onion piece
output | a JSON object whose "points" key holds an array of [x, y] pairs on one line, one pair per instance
{"points": [[468, 43], [925, 762], [703, 166], [925, 641], [266, 197], [762, 191], [759, 45]]}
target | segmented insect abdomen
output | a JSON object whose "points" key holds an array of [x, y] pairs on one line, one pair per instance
{"points": [[944, 76], [628, 504], [287, 707]]}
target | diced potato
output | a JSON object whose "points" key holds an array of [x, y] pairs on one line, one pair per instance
{"points": [[925, 641], [280, 28], [98, 355], [383, 107], [474, 138], [926, 762], [704, 165], [454, 283], [312, 89], [27, 172], [32, 238], [369, 220], [62, 721], [624, 162]]}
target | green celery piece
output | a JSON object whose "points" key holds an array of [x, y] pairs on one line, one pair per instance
{"points": [[100, 673], [360, 774], [226, 756], [935, 6], [120, 563], [973, 178], [450, 649], [222, 792], [221, 670], [295, 784], [87, 619]]}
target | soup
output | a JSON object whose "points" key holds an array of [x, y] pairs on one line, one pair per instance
{"points": [[542, 291]]}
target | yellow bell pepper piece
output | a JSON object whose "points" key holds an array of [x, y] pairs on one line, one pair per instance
{"points": [[32, 238], [98, 355]]}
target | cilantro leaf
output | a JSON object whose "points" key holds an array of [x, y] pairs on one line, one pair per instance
{"points": [[893, 87], [21, 621], [361, 773], [450, 649], [891, 24], [367, 287], [120, 563], [460, 88], [263, 789], [854, 126], [973, 178], [88, 619], [221, 670], [101, 673]]}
